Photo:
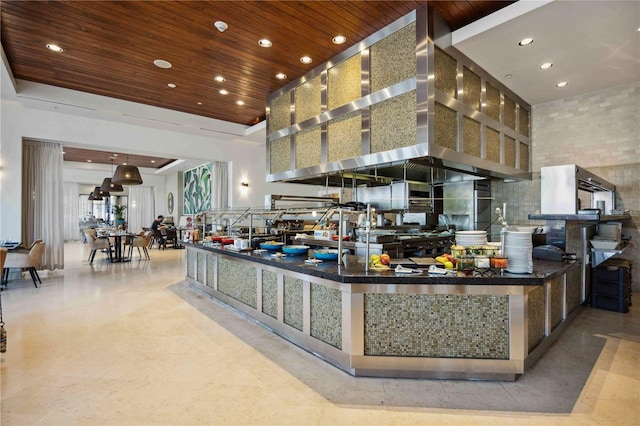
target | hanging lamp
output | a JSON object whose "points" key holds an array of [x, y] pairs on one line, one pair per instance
{"points": [[127, 175], [108, 185], [98, 194]]}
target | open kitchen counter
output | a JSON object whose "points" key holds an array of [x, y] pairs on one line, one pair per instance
{"points": [[386, 324]]}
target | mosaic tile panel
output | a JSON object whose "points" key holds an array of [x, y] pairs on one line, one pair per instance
{"points": [[492, 140], [393, 58], [556, 302], [510, 112], [280, 155], [326, 314], [201, 267], [446, 72], [238, 281], [524, 157], [471, 137], [523, 128], [397, 133], [308, 99], [344, 82], [270, 293], [308, 148], [210, 270], [445, 127], [471, 88], [492, 107], [190, 258], [344, 137], [574, 289], [535, 312], [293, 302], [280, 113], [435, 325], [509, 151]]}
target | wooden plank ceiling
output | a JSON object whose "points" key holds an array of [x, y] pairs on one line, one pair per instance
{"points": [[82, 155], [110, 46]]}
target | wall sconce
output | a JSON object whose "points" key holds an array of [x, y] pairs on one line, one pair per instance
{"points": [[245, 184]]}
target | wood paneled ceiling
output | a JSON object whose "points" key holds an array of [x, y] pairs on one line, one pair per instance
{"points": [[82, 155], [110, 46]]}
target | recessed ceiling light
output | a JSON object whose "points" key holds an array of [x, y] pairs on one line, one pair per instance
{"points": [[115, 155], [562, 84], [264, 42], [173, 86], [124, 164], [508, 75], [89, 161], [55, 47], [281, 76], [153, 161], [525, 41], [306, 60], [63, 153], [199, 103], [221, 26], [161, 63], [546, 66], [219, 78], [339, 39], [240, 103], [223, 92]]}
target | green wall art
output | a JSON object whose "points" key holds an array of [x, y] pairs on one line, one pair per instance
{"points": [[197, 189]]}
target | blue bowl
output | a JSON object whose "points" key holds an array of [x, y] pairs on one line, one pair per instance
{"points": [[295, 249], [271, 246], [328, 254]]}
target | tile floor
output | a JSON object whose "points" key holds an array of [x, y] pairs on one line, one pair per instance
{"points": [[131, 344]]}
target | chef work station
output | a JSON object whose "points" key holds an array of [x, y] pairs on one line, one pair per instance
{"points": [[412, 270]]}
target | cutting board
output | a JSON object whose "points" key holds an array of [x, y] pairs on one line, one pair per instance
{"points": [[424, 261], [407, 263]]}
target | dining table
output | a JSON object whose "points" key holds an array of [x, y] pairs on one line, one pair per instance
{"points": [[117, 245]]}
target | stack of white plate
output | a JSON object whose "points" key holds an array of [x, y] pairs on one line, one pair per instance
{"points": [[471, 238], [518, 248]]}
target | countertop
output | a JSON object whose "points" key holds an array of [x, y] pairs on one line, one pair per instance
{"points": [[579, 217], [542, 270]]}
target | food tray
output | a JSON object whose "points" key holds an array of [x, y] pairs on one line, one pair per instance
{"points": [[295, 249]]}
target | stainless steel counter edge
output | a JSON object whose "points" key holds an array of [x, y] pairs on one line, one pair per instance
{"points": [[542, 270]]}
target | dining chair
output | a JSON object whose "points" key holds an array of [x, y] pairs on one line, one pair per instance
{"points": [[29, 261], [23, 249], [157, 237], [3, 256], [98, 244], [140, 241]]}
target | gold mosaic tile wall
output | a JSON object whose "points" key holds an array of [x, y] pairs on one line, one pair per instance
{"points": [[574, 291], [492, 140], [492, 109], [238, 281], [190, 258], [280, 155], [344, 135], [471, 88], [393, 58], [510, 151], [201, 267], [434, 325], [326, 314], [524, 122], [446, 72], [509, 112], [210, 270], [556, 302], [308, 148], [280, 113], [471, 137], [535, 313], [524, 156], [343, 82], [446, 125], [399, 132], [308, 99], [270, 293], [293, 302]]}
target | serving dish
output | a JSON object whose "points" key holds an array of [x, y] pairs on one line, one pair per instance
{"points": [[271, 246], [327, 254], [295, 249]]}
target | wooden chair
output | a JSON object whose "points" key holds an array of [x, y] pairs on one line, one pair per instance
{"points": [[96, 244], [29, 261]]}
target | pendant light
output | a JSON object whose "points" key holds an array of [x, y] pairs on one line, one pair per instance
{"points": [[108, 185], [127, 175], [98, 194]]}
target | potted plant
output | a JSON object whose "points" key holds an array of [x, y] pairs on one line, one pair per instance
{"points": [[119, 212]]}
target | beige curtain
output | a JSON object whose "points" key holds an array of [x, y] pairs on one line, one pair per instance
{"points": [[71, 211], [220, 185], [43, 199], [141, 210]]}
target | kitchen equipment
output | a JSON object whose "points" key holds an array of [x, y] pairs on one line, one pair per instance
{"points": [[562, 188], [297, 250], [548, 252]]}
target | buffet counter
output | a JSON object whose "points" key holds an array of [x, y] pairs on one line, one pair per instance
{"points": [[385, 324]]}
